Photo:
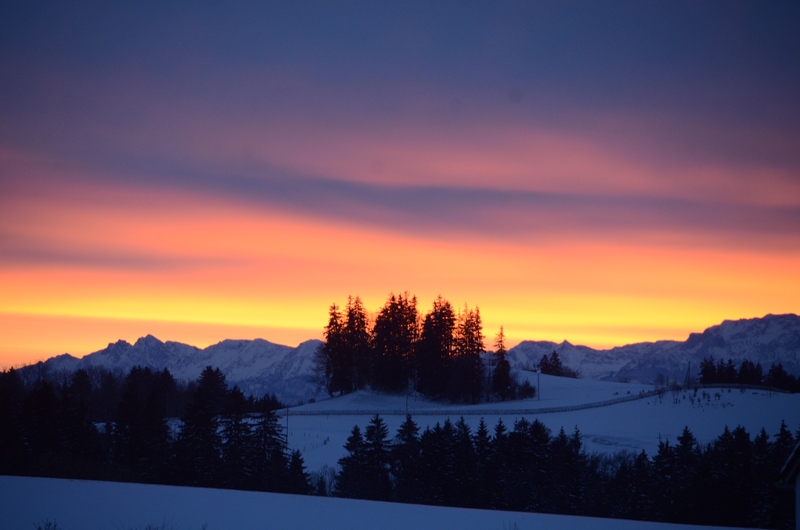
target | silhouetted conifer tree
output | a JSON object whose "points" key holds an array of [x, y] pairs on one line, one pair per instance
{"points": [[529, 474], [467, 378], [405, 453], [358, 337], [783, 504], [331, 360], [344, 357], [14, 456], [268, 460], [377, 461], [42, 423], [629, 491], [688, 461], [237, 437], [750, 374], [708, 371], [465, 467], [435, 349], [664, 474], [199, 445], [502, 384], [551, 365], [500, 463], [298, 479], [351, 480], [395, 336], [485, 475], [140, 439], [777, 377], [728, 374]]}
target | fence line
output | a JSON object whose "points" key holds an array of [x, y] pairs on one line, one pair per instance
{"points": [[515, 412], [471, 412]]}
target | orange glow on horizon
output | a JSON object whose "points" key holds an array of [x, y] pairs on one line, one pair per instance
{"points": [[207, 274]]}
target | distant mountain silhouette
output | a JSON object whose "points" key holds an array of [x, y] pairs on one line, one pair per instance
{"points": [[771, 339], [259, 366]]}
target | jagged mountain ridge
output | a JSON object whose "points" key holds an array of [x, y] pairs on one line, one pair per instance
{"points": [[259, 366], [770, 339], [256, 366]]}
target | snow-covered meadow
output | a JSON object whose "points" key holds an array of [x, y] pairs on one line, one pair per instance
{"points": [[611, 417], [86, 505], [319, 430]]}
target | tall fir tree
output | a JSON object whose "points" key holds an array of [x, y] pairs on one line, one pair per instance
{"points": [[298, 478], [501, 462], [140, 439], [351, 481], [395, 336], [465, 469], [358, 342], [502, 384], [688, 461], [377, 461], [467, 378], [664, 508], [486, 476], [14, 458], [268, 460], [435, 349], [331, 360], [236, 436], [199, 445], [405, 453]]}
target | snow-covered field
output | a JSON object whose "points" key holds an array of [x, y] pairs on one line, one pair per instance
{"points": [[86, 505], [319, 430]]}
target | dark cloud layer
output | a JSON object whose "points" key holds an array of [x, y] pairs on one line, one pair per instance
{"points": [[516, 216], [717, 83]]}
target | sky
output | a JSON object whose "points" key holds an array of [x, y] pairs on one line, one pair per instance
{"points": [[603, 173]]}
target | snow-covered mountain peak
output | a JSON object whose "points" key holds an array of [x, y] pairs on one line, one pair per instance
{"points": [[148, 342], [770, 339], [256, 366], [259, 366]]}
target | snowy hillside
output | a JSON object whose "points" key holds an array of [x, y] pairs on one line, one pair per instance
{"points": [[610, 415], [87, 505]]}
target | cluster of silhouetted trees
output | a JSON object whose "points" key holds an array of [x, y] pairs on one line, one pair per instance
{"points": [[222, 439], [719, 372], [732, 481], [552, 365], [439, 355]]}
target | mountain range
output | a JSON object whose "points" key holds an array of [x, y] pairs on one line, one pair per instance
{"points": [[259, 366], [766, 340]]}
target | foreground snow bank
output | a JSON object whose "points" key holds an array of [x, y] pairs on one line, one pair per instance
{"points": [[88, 505]]}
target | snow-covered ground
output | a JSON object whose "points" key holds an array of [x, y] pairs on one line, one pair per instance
{"points": [[86, 505], [319, 430]]}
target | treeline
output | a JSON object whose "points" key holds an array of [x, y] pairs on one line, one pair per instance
{"points": [[719, 372], [223, 439], [438, 355], [100, 390], [730, 482]]}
